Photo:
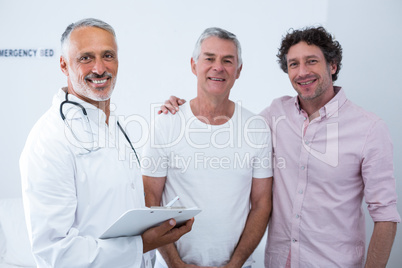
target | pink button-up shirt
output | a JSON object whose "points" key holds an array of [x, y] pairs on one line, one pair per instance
{"points": [[322, 171]]}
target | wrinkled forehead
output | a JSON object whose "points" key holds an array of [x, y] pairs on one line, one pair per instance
{"points": [[217, 46], [92, 39]]}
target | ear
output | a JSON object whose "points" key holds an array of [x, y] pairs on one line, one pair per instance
{"points": [[63, 65], [239, 71], [333, 67], [193, 66]]}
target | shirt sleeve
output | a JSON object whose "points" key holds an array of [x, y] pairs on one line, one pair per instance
{"points": [[378, 174], [262, 162], [154, 158], [50, 201]]}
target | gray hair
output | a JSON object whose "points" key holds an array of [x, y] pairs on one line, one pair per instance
{"points": [[89, 22], [222, 34]]}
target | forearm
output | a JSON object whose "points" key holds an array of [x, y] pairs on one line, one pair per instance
{"points": [[257, 220], [381, 244], [253, 232], [153, 188], [171, 256]]}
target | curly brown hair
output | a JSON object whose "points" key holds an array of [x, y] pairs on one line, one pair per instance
{"points": [[317, 36]]}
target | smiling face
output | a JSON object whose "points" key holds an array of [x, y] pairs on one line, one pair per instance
{"points": [[216, 68], [91, 64], [309, 73]]}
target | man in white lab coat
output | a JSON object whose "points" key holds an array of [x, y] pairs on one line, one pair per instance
{"points": [[76, 173]]}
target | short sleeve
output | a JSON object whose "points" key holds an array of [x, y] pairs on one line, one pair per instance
{"points": [[154, 158], [258, 132]]}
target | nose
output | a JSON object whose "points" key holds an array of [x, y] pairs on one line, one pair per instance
{"points": [[99, 67], [303, 70], [218, 66]]}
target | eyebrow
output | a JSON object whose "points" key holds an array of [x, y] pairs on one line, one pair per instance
{"points": [[307, 57], [209, 54], [86, 53], [110, 51], [91, 53]]}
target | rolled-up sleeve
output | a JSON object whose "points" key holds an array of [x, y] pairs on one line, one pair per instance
{"points": [[378, 174]]}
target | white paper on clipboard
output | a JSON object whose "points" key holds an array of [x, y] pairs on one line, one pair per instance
{"points": [[136, 221]]}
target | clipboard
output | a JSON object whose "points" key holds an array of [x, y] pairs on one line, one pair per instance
{"points": [[137, 221]]}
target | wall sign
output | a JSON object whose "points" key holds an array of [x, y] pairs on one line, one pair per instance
{"points": [[27, 53]]}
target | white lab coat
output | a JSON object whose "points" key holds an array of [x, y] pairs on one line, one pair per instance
{"points": [[71, 195]]}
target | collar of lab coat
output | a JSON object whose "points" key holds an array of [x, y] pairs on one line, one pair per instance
{"points": [[74, 112], [97, 130]]}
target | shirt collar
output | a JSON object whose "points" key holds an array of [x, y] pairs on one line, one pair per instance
{"points": [[332, 107]]}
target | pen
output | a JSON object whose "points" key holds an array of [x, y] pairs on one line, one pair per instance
{"points": [[172, 202]]}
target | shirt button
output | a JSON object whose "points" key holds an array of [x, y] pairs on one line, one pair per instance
{"points": [[300, 191], [302, 167], [305, 118], [294, 240], [306, 142], [132, 185], [297, 216]]}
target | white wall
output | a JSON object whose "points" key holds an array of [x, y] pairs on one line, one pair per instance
{"points": [[156, 39]]}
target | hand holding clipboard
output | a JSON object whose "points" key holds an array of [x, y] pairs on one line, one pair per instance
{"points": [[137, 221]]}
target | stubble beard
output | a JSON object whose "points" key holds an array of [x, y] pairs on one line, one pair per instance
{"points": [[93, 93], [321, 87]]}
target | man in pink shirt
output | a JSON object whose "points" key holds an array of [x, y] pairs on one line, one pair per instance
{"points": [[329, 154]]}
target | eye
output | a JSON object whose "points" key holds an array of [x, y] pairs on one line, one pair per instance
{"points": [[312, 61], [85, 59], [109, 56], [292, 64]]}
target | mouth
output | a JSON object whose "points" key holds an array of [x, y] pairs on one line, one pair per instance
{"points": [[216, 79], [307, 83], [98, 81]]}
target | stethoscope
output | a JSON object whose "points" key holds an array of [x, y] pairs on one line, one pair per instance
{"points": [[84, 111]]}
